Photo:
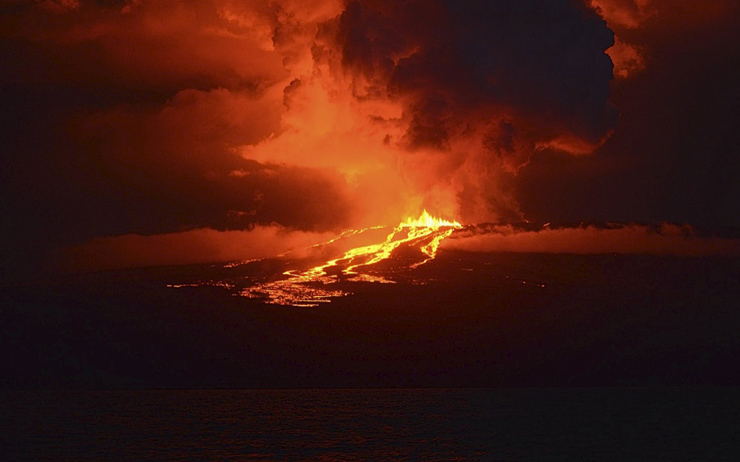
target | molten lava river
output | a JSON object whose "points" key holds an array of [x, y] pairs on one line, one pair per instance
{"points": [[295, 279]]}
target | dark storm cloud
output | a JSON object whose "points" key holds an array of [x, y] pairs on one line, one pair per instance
{"points": [[537, 65], [674, 156]]}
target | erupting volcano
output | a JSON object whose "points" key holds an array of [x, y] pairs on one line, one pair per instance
{"points": [[418, 239], [369, 193]]}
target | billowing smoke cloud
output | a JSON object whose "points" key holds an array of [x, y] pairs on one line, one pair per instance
{"points": [[135, 111], [480, 86], [625, 13], [166, 116], [628, 58]]}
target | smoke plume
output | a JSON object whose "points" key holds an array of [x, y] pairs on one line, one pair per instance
{"points": [[147, 117], [451, 98]]}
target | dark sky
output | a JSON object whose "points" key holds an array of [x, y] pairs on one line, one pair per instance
{"points": [[174, 117]]}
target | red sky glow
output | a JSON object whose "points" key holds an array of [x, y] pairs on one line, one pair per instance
{"points": [[134, 129]]}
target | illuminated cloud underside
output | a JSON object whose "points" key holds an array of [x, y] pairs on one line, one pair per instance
{"points": [[308, 117]]}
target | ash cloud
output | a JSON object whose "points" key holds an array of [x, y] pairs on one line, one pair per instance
{"points": [[155, 117], [482, 86]]}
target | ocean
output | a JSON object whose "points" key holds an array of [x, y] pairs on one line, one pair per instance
{"points": [[625, 424]]}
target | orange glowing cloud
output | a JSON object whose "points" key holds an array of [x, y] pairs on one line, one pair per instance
{"points": [[679, 16], [311, 115], [446, 127], [624, 13], [620, 15], [162, 44], [628, 59], [397, 113]]}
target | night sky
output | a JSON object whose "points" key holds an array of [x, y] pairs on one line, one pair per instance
{"points": [[238, 129]]}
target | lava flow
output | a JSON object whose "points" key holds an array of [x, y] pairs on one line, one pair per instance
{"points": [[308, 288]]}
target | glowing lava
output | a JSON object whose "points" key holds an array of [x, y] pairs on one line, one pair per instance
{"points": [[307, 288]]}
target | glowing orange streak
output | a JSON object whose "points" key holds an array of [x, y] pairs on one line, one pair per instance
{"points": [[306, 289], [295, 290], [348, 233], [418, 229], [431, 249], [318, 273]]}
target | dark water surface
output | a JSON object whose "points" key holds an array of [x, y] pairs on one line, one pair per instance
{"points": [[374, 424]]}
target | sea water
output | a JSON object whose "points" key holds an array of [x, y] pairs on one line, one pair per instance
{"points": [[373, 424]]}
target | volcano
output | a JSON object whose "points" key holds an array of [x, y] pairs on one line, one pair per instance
{"points": [[363, 257], [396, 255], [415, 305]]}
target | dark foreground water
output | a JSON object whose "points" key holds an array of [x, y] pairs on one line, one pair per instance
{"points": [[375, 424]]}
